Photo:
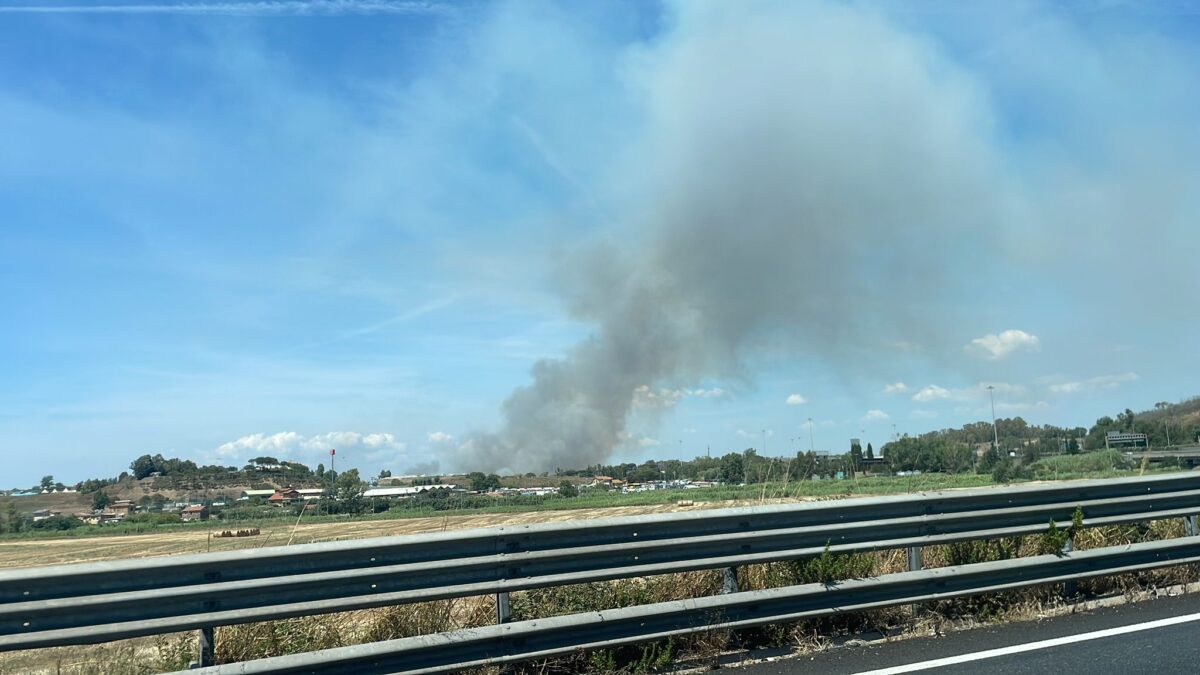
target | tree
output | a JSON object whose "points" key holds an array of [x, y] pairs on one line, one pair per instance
{"points": [[349, 490], [142, 466], [483, 483], [13, 522], [386, 473], [100, 500], [47, 482], [568, 489], [732, 468], [870, 452], [320, 470]]}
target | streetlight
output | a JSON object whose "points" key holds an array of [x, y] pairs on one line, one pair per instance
{"points": [[995, 433], [812, 444]]}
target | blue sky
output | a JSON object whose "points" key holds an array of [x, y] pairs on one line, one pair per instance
{"points": [[241, 228]]}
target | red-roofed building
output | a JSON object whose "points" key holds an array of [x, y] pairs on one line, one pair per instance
{"points": [[284, 496], [195, 512]]}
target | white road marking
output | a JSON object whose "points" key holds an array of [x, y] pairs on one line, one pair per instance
{"points": [[1033, 646]]}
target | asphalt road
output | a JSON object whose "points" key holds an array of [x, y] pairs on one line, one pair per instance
{"points": [[1113, 640]]}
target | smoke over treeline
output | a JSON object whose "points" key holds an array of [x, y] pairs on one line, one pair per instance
{"points": [[806, 179]]}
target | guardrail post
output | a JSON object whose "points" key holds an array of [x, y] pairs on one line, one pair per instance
{"points": [[914, 564], [1189, 526], [1070, 588], [207, 646], [503, 611], [729, 580]]}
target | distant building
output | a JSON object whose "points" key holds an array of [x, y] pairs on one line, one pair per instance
{"points": [[251, 494], [195, 512], [43, 514], [407, 491], [285, 496]]}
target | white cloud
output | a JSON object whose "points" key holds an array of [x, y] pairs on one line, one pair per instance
{"points": [[293, 446], [994, 347], [647, 442], [646, 397], [931, 393], [439, 437], [1100, 383], [796, 399], [895, 388], [875, 415]]}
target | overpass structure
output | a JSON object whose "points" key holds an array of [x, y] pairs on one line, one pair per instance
{"points": [[99, 602], [1188, 455]]}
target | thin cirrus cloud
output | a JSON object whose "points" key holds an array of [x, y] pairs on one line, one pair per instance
{"points": [[259, 8], [796, 399], [875, 415], [1099, 383], [895, 388], [439, 437], [974, 392], [994, 347]]}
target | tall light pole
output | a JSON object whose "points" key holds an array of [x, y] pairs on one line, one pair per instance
{"points": [[812, 443], [995, 433]]}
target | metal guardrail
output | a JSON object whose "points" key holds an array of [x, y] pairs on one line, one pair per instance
{"points": [[543, 638], [97, 602]]}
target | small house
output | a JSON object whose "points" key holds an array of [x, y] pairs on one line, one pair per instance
{"points": [[195, 512]]}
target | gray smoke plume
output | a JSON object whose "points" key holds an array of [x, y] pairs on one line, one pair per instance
{"points": [[802, 172], [803, 183]]}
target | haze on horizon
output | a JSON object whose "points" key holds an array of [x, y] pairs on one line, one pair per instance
{"points": [[521, 236]]}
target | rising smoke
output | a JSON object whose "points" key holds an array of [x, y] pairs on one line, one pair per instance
{"points": [[802, 177]]}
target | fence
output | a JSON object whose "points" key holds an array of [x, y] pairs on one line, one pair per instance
{"points": [[98, 602]]}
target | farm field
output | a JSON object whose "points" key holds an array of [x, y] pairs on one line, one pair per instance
{"points": [[195, 538], [30, 552]]}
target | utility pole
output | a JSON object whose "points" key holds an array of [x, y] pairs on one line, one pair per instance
{"points": [[764, 448], [995, 433], [812, 444]]}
